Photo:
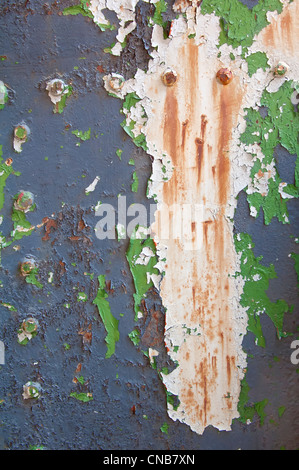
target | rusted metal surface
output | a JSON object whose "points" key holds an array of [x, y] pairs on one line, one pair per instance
{"points": [[198, 117], [192, 325]]}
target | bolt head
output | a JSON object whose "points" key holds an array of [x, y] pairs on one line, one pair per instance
{"points": [[31, 390], [169, 77], [224, 76], [280, 69], [30, 325], [116, 82], [27, 265], [24, 201], [20, 133], [57, 87]]}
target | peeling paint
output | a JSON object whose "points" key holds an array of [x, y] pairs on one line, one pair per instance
{"points": [[3, 94], [196, 125], [58, 92], [110, 323], [256, 283], [21, 134], [207, 143]]}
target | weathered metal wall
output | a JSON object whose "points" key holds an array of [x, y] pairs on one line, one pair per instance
{"points": [[198, 358]]}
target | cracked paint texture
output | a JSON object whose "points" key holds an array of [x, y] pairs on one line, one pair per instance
{"points": [[205, 152], [196, 125]]}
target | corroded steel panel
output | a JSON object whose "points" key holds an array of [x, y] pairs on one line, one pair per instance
{"points": [[149, 223]]}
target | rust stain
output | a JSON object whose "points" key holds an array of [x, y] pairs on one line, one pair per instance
{"points": [[171, 124], [86, 335], [49, 225], [184, 130], [202, 175], [151, 329], [199, 151], [199, 142], [283, 32]]}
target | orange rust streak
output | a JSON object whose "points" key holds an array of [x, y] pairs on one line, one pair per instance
{"points": [[283, 32], [204, 287], [184, 130]]}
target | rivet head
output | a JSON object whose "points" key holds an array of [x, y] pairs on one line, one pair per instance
{"points": [[224, 76], [116, 81], [24, 201], [27, 265], [3, 94], [57, 87], [30, 325], [21, 133], [169, 77], [280, 69], [31, 390]]}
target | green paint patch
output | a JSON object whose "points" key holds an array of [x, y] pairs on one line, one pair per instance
{"points": [[281, 411], [247, 412], [295, 257], [160, 8], [135, 337], [135, 183], [82, 135], [140, 271], [59, 107], [108, 50], [22, 227], [238, 23], [256, 61], [5, 171], [130, 102], [172, 400], [105, 27], [280, 126], [84, 397], [254, 297], [110, 323], [119, 153], [81, 9], [157, 18], [164, 428], [82, 297], [9, 306], [32, 278]]}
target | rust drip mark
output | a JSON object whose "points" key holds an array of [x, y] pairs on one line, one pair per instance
{"points": [[199, 142], [199, 154], [203, 126], [172, 131], [206, 401], [223, 163], [184, 130], [206, 225], [171, 125], [228, 369], [192, 77]]}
